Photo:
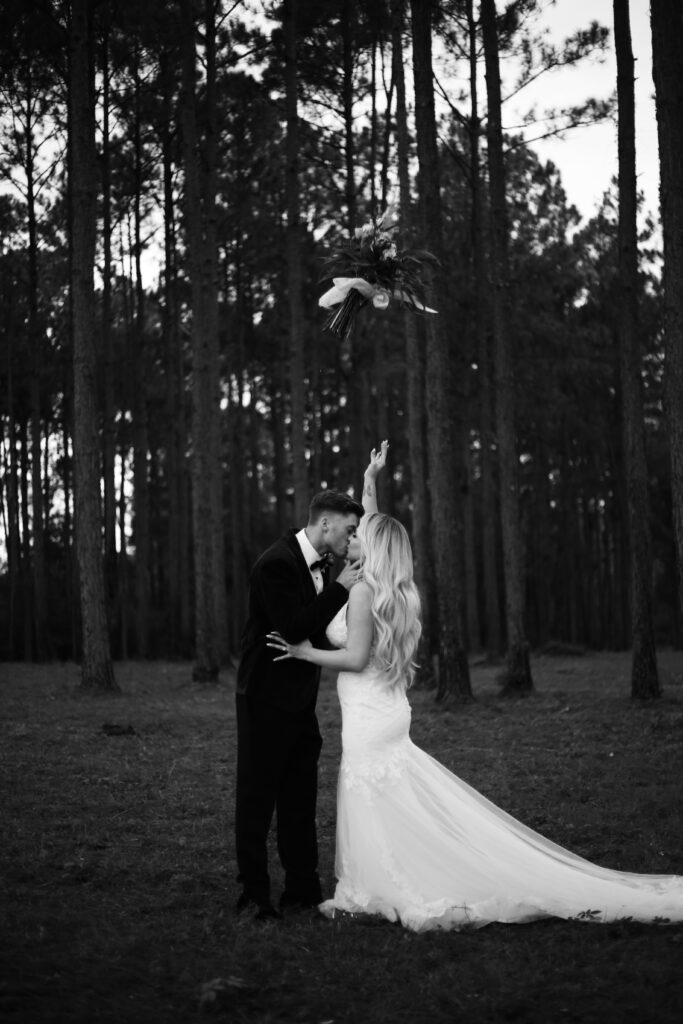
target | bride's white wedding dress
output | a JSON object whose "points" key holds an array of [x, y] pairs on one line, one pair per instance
{"points": [[418, 845]]}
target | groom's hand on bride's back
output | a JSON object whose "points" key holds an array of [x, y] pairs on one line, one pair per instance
{"points": [[350, 575]]}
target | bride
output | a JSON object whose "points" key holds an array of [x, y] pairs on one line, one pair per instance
{"points": [[414, 842]]}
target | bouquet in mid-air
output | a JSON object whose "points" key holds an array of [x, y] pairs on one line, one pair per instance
{"points": [[371, 268]]}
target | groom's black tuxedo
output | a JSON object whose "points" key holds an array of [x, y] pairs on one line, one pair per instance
{"points": [[282, 597], [278, 739]]}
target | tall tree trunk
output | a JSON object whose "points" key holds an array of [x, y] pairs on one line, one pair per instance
{"points": [[518, 673], [360, 372], [27, 580], [444, 452], [347, 22], [205, 375], [414, 358], [67, 532], [97, 670], [122, 581], [396, 55], [14, 536], [667, 62], [141, 502], [316, 419], [489, 506], [543, 546], [373, 126], [180, 484], [7, 512], [186, 540], [109, 423], [470, 555], [297, 324], [174, 395], [71, 568], [644, 678], [210, 288], [41, 644], [239, 568]]}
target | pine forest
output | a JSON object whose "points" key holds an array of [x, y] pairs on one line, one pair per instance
{"points": [[174, 176]]}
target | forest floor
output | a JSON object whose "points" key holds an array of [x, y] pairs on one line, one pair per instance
{"points": [[119, 876]]}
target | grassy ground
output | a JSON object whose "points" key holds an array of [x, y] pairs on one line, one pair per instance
{"points": [[118, 870]]}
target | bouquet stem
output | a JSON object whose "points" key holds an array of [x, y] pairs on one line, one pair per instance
{"points": [[341, 320]]}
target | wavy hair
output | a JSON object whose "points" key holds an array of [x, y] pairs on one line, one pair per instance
{"points": [[388, 569]]}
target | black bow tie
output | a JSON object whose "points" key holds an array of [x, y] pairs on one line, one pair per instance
{"points": [[321, 564]]}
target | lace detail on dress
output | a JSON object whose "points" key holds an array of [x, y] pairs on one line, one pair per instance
{"points": [[371, 774]]}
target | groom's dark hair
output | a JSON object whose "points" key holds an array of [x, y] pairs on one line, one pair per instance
{"points": [[333, 501]]}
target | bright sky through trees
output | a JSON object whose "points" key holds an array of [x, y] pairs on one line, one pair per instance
{"points": [[587, 157]]}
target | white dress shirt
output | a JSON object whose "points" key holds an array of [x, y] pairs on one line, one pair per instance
{"points": [[311, 555]]}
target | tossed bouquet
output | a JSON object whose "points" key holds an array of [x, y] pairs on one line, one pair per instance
{"points": [[375, 271]]}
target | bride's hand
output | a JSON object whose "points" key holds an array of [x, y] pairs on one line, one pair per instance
{"points": [[278, 643], [352, 572], [378, 460]]}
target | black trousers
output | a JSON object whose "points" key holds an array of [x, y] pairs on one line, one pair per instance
{"points": [[277, 772]]}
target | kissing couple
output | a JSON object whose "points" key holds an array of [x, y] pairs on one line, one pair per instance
{"points": [[414, 844]]}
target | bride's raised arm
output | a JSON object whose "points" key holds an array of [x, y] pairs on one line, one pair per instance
{"points": [[378, 460]]}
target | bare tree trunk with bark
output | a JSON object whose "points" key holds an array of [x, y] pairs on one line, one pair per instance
{"points": [[96, 671], [489, 504], [297, 322], [470, 553], [205, 376], [419, 494], [141, 529], [444, 452], [13, 533], [358, 343], [108, 425], [41, 644], [518, 672], [175, 397], [667, 62], [644, 677], [210, 288]]}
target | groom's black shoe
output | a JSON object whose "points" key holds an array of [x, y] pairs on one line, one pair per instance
{"points": [[301, 891], [262, 910], [294, 905]]}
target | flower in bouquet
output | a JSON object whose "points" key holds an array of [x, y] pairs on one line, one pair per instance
{"points": [[372, 269]]}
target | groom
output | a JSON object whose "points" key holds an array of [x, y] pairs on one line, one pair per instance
{"points": [[278, 740]]}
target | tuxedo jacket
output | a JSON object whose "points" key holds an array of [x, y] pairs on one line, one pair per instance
{"points": [[283, 598]]}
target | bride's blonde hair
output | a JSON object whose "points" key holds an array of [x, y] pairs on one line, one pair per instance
{"points": [[388, 569]]}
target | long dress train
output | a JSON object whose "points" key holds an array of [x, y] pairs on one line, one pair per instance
{"points": [[417, 844]]}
